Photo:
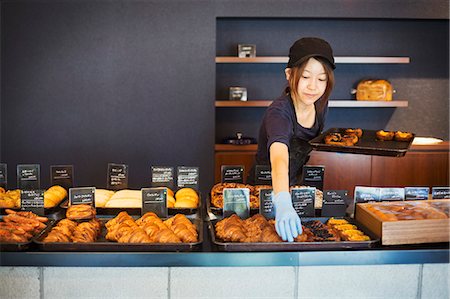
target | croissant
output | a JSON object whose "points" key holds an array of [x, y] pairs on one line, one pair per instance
{"points": [[138, 235], [166, 236], [122, 216], [80, 212]]}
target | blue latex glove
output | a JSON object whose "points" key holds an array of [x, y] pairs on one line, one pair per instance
{"points": [[287, 222]]}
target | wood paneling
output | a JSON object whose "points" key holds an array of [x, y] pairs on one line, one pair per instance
{"points": [[343, 171], [245, 158], [414, 169]]}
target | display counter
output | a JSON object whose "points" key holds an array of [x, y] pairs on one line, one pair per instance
{"points": [[210, 256]]}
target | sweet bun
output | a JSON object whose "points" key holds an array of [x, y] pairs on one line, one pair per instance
{"points": [[403, 136], [169, 191], [189, 192], [170, 201], [59, 190], [53, 196], [185, 203], [385, 135]]}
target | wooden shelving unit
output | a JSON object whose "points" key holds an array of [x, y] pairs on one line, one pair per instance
{"points": [[331, 104], [338, 59]]}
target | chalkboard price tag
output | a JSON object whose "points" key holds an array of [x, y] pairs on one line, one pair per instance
{"points": [[162, 176], [334, 203], [236, 201], [416, 193], [154, 200], [117, 176], [61, 175], [263, 175], [366, 194], [313, 176], [82, 195], [303, 201], [440, 192], [188, 177], [32, 200], [3, 176], [232, 173], [29, 176], [266, 207], [392, 194]]}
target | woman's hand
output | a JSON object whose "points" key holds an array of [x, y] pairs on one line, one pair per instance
{"points": [[287, 222]]}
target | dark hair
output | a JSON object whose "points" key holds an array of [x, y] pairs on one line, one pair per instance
{"points": [[297, 71]]}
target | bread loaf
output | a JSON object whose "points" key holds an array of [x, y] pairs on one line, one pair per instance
{"points": [[374, 90]]}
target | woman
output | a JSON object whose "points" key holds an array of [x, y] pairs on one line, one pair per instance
{"points": [[291, 121]]}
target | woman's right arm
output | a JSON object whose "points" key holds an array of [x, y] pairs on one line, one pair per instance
{"points": [[287, 222], [279, 162]]}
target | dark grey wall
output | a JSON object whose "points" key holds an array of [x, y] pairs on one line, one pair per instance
{"points": [[92, 82], [423, 82]]}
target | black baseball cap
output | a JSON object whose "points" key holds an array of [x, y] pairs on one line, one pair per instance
{"points": [[308, 47]]}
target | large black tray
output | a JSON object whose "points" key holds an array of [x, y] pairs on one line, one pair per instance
{"points": [[24, 245], [296, 246], [105, 245], [368, 144]]}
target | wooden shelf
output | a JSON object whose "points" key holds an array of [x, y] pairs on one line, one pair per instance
{"points": [[338, 59], [252, 103], [331, 104]]}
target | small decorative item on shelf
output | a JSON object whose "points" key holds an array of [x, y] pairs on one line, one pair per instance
{"points": [[239, 139], [246, 50], [373, 90], [238, 94]]}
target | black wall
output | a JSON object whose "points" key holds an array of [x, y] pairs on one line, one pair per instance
{"points": [[92, 82]]}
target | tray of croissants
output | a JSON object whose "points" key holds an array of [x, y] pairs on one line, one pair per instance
{"points": [[215, 203], [367, 142], [53, 196], [18, 229], [83, 230], [108, 202], [258, 234]]}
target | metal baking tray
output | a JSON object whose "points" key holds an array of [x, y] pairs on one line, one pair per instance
{"points": [[105, 245], [368, 144], [296, 246], [24, 245]]}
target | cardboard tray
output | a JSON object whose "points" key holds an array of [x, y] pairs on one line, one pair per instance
{"points": [[404, 231], [24, 245], [368, 144], [296, 246], [105, 245]]}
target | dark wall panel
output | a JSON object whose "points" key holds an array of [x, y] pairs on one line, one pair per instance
{"points": [[423, 82], [87, 84]]}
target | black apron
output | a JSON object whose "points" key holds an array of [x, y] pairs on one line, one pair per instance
{"points": [[299, 151]]}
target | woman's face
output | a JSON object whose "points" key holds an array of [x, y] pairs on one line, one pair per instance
{"points": [[312, 83]]}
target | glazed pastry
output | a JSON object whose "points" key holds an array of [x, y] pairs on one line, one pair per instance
{"points": [[358, 132], [80, 212], [403, 136], [385, 135]]}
